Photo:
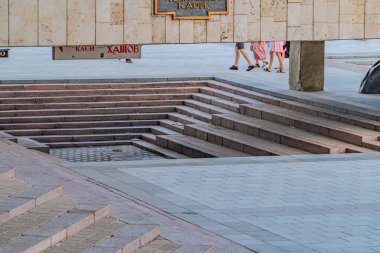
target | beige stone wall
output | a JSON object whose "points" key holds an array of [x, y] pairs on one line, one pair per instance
{"points": [[101, 22]]}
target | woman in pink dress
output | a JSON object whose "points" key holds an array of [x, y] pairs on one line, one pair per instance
{"points": [[278, 48], [259, 53]]}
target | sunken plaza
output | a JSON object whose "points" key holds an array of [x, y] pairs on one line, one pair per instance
{"points": [[123, 130]]}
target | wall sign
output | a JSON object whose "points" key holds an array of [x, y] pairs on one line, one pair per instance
{"points": [[97, 52], [4, 53], [191, 9]]}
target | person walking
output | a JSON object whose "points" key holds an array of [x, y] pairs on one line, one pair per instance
{"points": [[239, 49], [259, 50], [278, 48]]}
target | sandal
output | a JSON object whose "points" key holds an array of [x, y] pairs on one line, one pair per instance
{"points": [[257, 65], [267, 70], [280, 72], [264, 64], [234, 67], [250, 67]]}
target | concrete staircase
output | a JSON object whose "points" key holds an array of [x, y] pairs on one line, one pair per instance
{"points": [[178, 120], [41, 219]]}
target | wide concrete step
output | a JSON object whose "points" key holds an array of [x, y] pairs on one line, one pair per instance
{"points": [[196, 148], [7, 173], [213, 94], [204, 107], [47, 139], [128, 239], [57, 229], [10, 185], [79, 144], [225, 91], [27, 199], [76, 105], [87, 111], [159, 245], [169, 154], [87, 92], [82, 131], [327, 127], [172, 125], [334, 115], [82, 124], [94, 98], [374, 145], [215, 101], [181, 118], [240, 141], [194, 113], [285, 135], [33, 144], [83, 118], [87, 238], [34, 218], [80, 86]]}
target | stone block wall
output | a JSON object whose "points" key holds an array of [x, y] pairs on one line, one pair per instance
{"points": [[102, 22]]}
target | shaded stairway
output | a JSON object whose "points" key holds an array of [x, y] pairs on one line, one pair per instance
{"points": [[41, 219], [178, 120]]}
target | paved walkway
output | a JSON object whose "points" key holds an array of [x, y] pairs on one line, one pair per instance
{"points": [[204, 60], [326, 203]]}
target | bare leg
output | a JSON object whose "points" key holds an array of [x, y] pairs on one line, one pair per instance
{"points": [[246, 56], [271, 58], [237, 56], [279, 57]]}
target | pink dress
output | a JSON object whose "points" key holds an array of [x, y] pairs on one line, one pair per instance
{"points": [[259, 50], [277, 46]]}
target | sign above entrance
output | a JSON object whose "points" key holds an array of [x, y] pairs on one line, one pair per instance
{"points": [[97, 52], [191, 9]]}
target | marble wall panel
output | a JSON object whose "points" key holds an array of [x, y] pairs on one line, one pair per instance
{"points": [[3, 22], [81, 24], [23, 22], [52, 22], [74, 22]]}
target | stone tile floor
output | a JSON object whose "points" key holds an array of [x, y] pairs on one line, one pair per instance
{"points": [[316, 204], [103, 154]]}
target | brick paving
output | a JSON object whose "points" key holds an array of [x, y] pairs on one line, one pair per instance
{"points": [[287, 205], [103, 154]]}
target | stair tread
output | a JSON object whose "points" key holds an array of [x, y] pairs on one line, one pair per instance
{"points": [[78, 118], [88, 237], [157, 149], [204, 146], [88, 143], [130, 238], [184, 119], [262, 144], [159, 245], [26, 199], [88, 129], [81, 124], [194, 113], [314, 119], [10, 185], [34, 218], [55, 230], [107, 91], [289, 132], [205, 107]]}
